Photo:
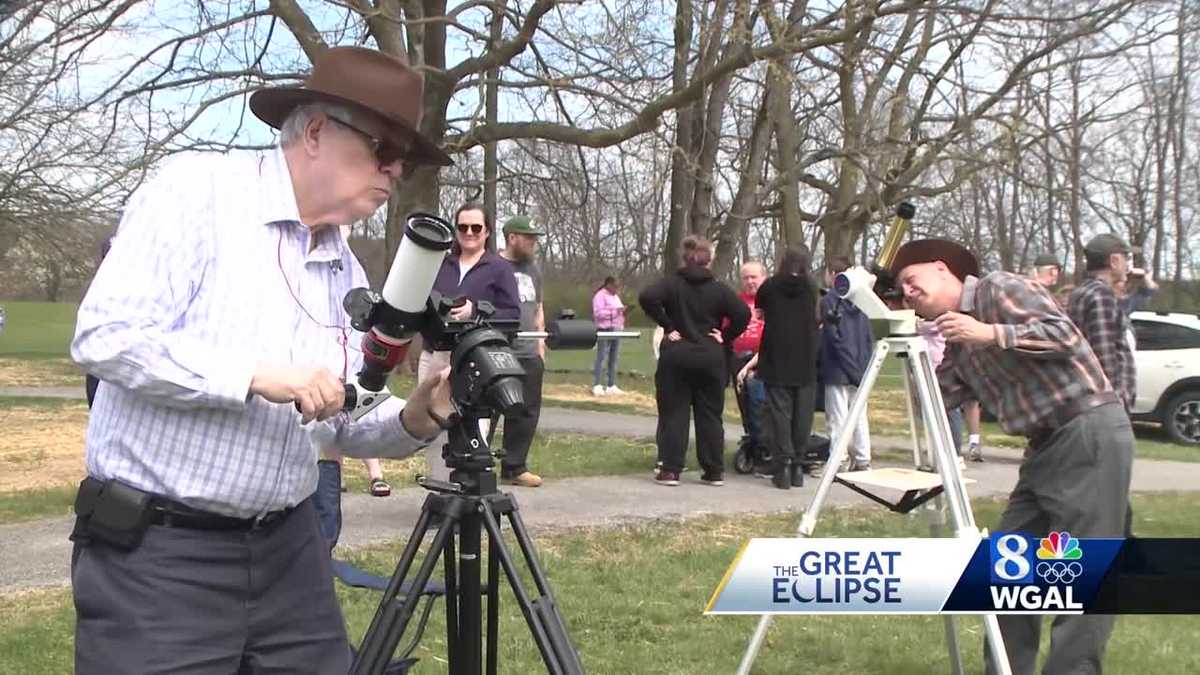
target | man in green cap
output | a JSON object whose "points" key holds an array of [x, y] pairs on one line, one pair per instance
{"points": [[1096, 309], [520, 248], [1047, 270]]}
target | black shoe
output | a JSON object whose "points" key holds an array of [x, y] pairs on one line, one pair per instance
{"points": [[782, 476], [797, 475]]}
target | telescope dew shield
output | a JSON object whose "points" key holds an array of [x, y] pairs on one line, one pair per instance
{"points": [[415, 267], [895, 235], [570, 334]]}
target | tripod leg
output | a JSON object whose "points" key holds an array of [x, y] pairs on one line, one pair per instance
{"points": [[470, 645], [808, 522], [493, 606], [934, 509], [955, 493], [390, 621], [541, 614], [450, 564], [912, 419]]}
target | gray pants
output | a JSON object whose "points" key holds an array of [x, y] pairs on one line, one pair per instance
{"points": [[197, 602], [1078, 482]]}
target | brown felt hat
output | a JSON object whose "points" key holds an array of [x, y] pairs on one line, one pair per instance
{"points": [[958, 259], [385, 89]]}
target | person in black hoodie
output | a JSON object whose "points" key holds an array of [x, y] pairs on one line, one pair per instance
{"points": [[787, 363], [691, 306]]}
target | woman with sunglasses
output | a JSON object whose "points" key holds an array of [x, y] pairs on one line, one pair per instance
{"points": [[471, 271]]}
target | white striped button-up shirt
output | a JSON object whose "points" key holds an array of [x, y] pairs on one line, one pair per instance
{"points": [[211, 273]]}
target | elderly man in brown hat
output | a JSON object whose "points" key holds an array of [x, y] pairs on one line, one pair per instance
{"points": [[1009, 346], [216, 327]]}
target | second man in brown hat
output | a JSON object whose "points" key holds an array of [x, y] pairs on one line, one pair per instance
{"points": [[1012, 348]]}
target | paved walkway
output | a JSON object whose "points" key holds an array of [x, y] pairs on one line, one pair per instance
{"points": [[38, 553]]}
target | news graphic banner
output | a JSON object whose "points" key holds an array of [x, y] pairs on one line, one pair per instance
{"points": [[1006, 573]]}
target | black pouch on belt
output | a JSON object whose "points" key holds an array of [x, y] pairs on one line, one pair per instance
{"points": [[111, 512]]}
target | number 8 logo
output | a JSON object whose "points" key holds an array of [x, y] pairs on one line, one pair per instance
{"points": [[1012, 564]]}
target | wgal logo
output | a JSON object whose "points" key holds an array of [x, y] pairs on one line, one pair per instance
{"points": [[1013, 568]]}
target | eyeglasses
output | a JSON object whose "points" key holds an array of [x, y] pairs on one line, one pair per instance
{"points": [[473, 228], [384, 150]]}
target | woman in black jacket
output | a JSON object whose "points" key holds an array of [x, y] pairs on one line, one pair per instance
{"points": [[787, 363], [691, 305]]}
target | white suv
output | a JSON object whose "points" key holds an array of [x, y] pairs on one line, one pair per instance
{"points": [[1168, 373]]}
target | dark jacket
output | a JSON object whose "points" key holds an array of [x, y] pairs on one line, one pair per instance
{"points": [[788, 356], [693, 302], [491, 279], [846, 347]]}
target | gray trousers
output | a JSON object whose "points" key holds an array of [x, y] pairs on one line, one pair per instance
{"points": [[1078, 482], [200, 602]]}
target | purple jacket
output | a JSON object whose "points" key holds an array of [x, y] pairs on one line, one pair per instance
{"points": [[491, 279]]}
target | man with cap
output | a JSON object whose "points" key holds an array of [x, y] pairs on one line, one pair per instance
{"points": [[217, 327], [1047, 269], [1096, 309], [1012, 348], [520, 248]]}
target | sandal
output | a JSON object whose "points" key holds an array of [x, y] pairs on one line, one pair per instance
{"points": [[379, 488]]}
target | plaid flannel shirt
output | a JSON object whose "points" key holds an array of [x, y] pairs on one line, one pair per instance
{"points": [[1095, 308], [1040, 360]]}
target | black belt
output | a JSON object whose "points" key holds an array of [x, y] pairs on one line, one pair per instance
{"points": [[173, 514], [1067, 412]]}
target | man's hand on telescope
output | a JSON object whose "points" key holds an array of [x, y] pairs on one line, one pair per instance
{"points": [[464, 311], [965, 329], [315, 390], [432, 395]]}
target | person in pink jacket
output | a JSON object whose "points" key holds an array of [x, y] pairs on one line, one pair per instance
{"points": [[608, 312]]}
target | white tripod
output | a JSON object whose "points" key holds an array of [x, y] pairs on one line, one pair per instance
{"points": [[936, 476]]}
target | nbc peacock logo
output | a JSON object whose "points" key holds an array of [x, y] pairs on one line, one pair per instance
{"points": [[1058, 558]]}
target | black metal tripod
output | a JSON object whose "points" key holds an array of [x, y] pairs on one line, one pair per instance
{"points": [[468, 504]]}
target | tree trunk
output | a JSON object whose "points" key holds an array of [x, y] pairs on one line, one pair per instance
{"points": [[1075, 182], [712, 113], [745, 202], [779, 88], [681, 176], [491, 166], [1180, 142]]}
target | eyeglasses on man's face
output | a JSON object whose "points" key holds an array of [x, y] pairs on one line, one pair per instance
{"points": [[385, 151], [473, 228]]}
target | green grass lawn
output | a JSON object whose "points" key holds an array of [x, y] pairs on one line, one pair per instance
{"points": [[37, 330], [633, 598], [552, 456]]}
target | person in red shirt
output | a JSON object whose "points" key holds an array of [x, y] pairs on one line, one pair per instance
{"points": [[751, 394]]}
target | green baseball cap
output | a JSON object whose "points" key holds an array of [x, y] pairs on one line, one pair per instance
{"points": [[522, 225]]}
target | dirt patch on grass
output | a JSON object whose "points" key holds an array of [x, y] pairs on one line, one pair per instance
{"points": [[569, 392], [39, 373], [42, 446]]}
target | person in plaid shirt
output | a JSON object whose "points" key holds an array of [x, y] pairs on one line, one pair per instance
{"points": [[1011, 347], [1096, 309]]}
